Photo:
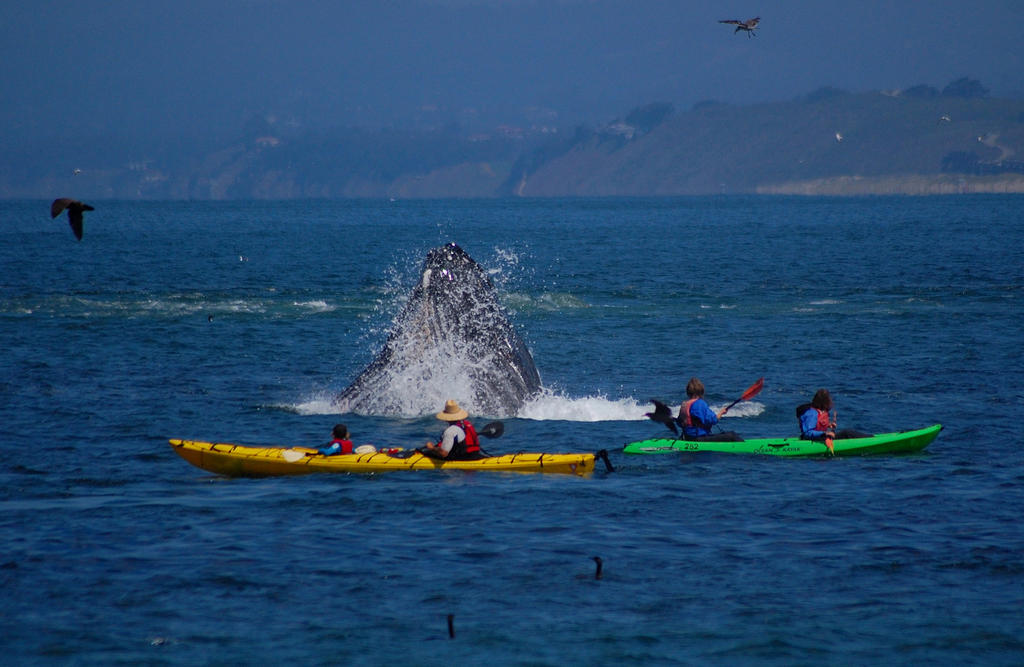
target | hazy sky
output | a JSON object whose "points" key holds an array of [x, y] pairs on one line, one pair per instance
{"points": [[151, 67]]}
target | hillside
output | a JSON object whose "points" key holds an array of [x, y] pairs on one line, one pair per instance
{"points": [[831, 142], [828, 142]]}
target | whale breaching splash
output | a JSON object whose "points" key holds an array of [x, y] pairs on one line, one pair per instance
{"points": [[452, 339]]}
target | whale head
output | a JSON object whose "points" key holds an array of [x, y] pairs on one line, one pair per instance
{"points": [[452, 339]]}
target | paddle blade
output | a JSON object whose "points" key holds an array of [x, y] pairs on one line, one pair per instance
{"points": [[753, 390], [492, 430]]}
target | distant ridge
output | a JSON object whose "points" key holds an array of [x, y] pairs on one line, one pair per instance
{"points": [[918, 141], [830, 142]]}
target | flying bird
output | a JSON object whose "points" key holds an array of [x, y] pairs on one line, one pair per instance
{"points": [[75, 209], [663, 415], [749, 25]]}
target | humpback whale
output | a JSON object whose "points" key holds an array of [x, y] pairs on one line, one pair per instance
{"points": [[452, 339]]}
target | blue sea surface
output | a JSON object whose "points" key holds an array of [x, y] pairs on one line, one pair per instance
{"points": [[238, 322]]}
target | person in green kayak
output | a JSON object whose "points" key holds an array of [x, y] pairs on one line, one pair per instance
{"points": [[818, 421], [459, 440], [696, 418]]}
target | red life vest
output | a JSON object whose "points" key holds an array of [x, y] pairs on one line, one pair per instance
{"points": [[471, 445], [346, 445], [824, 421], [472, 439], [685, 411]]}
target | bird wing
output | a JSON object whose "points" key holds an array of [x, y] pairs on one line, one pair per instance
{"points": [[75, 220], [753, 22], [59, 205], [732, 21], [663, 415]]}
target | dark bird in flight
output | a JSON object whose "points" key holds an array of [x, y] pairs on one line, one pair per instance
{"points": [[75, 209], [663, 415], [749, 25]]}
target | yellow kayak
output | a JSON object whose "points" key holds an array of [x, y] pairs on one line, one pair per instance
{"points": [[240, 461]]}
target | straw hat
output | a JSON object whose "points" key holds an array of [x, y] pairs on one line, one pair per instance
{"points": [[366, 449], [452, 412]]}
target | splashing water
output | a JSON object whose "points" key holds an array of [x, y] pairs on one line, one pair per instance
{"points": [[552, 406], [451, 340], [421, 378]]}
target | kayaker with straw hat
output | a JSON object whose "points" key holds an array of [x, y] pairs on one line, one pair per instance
{"points": [[459, 440]]}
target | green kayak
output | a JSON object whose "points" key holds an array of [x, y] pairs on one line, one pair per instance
{"points": [[883, 443]]}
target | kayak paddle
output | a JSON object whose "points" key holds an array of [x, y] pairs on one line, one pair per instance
{"points": [[492, 430], [828, 441], [292, 455], [752, 391]]}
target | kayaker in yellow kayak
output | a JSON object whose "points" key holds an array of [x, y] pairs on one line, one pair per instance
{"points": [[340, 442], [459, 440]]}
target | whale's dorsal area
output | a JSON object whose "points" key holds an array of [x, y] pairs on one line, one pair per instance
{"points": [[452, 339]]}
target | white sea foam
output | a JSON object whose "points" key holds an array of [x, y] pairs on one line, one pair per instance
{"points": [[743, 409], [550, 406], [316, 306], [547, 301], [321, 403]]}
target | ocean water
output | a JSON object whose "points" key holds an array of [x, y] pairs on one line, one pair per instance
{"points": [[239, 321]]}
